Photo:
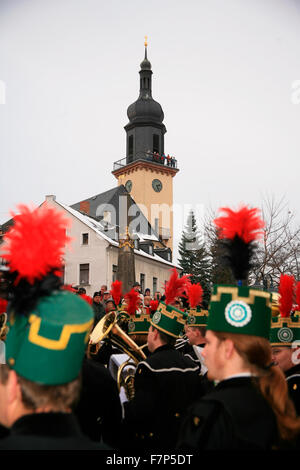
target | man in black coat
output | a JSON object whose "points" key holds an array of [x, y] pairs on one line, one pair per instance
{"points": [[99, 310], [38, 388], [166, 383], [45, 345]]}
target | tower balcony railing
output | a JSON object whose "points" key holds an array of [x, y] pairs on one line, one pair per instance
{"points": [[164, 160]]}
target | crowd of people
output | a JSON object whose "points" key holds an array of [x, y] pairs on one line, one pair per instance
{"points": [[162, 159], [226, 378]]}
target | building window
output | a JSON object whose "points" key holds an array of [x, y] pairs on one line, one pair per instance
{"points": [[142, 282], [114, 272], [84, 273], [154, 285], [155, 143], [85, 239]]}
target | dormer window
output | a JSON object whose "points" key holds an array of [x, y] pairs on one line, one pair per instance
{"points": [[107, 216]]}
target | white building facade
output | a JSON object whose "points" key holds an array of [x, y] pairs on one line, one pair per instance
{"points": [[91, 260]]}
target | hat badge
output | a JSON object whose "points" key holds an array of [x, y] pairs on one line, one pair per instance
{"points": [[285, 335], [156, 318], [238, 313]]}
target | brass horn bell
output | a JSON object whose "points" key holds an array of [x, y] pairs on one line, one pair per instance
{"points": [[108, 328]]}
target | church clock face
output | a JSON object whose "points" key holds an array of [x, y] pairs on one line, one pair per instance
{"points": [[157, 185], [128, 185]]}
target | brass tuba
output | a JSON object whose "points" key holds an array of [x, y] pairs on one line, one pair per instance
{"points": [[109, 328]]}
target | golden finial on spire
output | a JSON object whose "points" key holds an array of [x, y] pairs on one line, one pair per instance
{"points": [[146, 41]]}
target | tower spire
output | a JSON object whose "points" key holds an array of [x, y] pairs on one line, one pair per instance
{"points": [[146, 45], [145, 130]]}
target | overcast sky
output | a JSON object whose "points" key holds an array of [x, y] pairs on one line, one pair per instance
{"points": [[223, 72]]}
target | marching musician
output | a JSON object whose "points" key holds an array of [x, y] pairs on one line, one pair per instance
{"points": [[165, 383], [285, 336], [195, 326]]}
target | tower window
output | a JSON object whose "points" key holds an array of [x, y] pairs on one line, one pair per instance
{"points": [[155, 143], [130, 146]]}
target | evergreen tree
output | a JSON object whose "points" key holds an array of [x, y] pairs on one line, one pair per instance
{"points": [[220, 273], [194, 258]]}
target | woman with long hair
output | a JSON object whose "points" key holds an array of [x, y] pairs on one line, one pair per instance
{"points": [[249, 407]]}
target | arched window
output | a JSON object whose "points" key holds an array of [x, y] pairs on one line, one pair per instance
{"points": [[156, 143], [130, 147]]}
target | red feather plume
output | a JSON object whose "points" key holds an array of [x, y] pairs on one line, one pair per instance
{"points": [[69, 288], [3, 305], [116, 291], [244, 223], [286, 291], [87, 298], [154, 305], [176, 286], [195, 295], [298, 296], [35, 243], [132, 299]]}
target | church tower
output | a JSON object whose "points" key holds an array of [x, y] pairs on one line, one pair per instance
{"points": [[147, 171]]}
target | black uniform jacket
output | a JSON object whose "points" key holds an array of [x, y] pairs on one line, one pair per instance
{"points": [[48, 431], [99, 410], [99, 312], [166, 383], [234, 416], [187, 349], [293, 382]]}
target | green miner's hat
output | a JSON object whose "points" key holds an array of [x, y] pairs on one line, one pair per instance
{"points": [[240, 309], [285, 328], [139, 324], [169, 320], [48, 345], [284, 331], [197, 317]]}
